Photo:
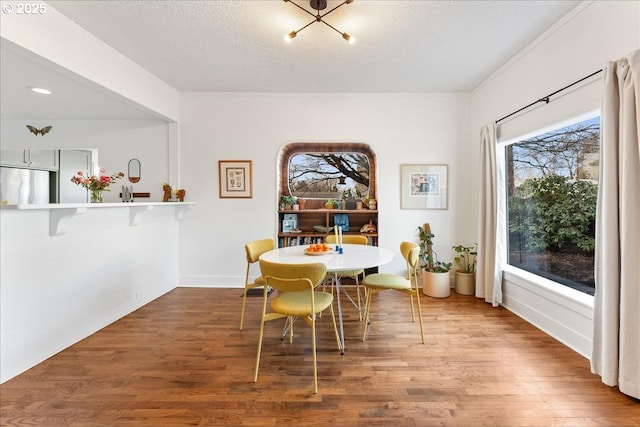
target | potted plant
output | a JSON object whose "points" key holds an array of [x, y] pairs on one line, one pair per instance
{"points": [[466, 272], [331, 203], [435, 273], [359, 200], [288, 202]]}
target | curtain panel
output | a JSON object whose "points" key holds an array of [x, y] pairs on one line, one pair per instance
{"points": [[488, 271], [616, 324]]}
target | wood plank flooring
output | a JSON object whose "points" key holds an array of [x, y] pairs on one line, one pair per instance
{"points": [[181, 361]]}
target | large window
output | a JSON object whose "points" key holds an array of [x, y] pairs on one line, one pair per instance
{"points": [[552, 186], [328, 175]]}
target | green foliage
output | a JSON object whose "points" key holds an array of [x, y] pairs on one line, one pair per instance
{"points": [[466, 258], [554, 213], [428, 257], [288, 200]]}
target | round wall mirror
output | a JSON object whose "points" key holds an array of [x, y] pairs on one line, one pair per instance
{"points": [[134, 170]]}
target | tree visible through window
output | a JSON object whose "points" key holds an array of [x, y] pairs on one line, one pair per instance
{"points": [[328, 175], [552, 186]]}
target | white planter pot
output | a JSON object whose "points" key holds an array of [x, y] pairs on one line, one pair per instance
{"points": [[437, 285], [465, 283]]}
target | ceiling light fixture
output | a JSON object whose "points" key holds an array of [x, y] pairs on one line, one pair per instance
{"points": [[41, 90], [319, 5]]}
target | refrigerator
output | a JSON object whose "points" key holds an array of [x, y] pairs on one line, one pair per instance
{"points": [[25, 186]]}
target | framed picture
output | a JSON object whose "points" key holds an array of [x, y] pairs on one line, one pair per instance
{"points": [[235, 179], [423, 186]]}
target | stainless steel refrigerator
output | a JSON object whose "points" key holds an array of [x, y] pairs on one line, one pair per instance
{"points": [[24, 186]]}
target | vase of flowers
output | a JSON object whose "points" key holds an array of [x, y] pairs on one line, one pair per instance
{"points": [[96, 185]]}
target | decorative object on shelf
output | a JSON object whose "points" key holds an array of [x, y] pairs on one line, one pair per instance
{"points": [[373, 205], [235, 179], [368, 228], [45, 130], [436, 280], [341, 220], [302, 203], [288, 201], [423, 186], [465, 275], [319, 5], [134, 171], [330, 204], [96, 185], [171, 194]]}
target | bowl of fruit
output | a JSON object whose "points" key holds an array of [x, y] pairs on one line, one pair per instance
{"points": [[317, 249]]}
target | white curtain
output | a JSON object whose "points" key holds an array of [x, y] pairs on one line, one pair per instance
{"points": [[616, 324], [488, 272]]}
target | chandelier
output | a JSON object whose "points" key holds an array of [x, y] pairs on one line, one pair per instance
{"points": [[319, 5]]}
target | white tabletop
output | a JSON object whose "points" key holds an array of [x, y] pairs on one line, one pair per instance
{"points": [[354, 257]]}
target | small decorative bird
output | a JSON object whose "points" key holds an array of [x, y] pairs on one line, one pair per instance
{"points": [[36, 131]]}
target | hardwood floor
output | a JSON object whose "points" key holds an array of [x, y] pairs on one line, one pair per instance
{"points": [[181, 360]]}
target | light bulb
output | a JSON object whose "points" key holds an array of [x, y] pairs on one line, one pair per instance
{"points": [[290, 36]]}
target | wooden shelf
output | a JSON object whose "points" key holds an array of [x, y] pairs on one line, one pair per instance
{"points": [[306, 219]]}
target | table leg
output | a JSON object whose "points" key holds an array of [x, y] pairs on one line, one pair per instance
{"points": [[339, 312]]}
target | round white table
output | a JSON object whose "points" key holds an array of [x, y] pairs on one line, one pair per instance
{"points": [[353, 257]]}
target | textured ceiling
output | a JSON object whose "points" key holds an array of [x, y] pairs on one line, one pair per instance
{"points": [[238, 46]]}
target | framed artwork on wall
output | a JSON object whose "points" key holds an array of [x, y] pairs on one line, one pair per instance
{"points": [[423, 186], [235, 179]]}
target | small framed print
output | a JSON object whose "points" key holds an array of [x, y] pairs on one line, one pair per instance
{"points": [[423, 186], [235, 179]]}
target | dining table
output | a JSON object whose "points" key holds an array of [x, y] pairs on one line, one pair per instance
{"points": [[349, 257]]}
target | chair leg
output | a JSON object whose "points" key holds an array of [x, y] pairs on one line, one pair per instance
{"points": [[367, 309], [255, 378], [244, 300], [358, 297], [335, 327], [419, 314], [313, 352], [262, 320]]}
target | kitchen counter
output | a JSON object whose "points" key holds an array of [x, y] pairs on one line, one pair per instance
{"points": [[61, 213]]}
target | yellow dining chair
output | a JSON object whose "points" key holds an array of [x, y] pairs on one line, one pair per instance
{"points": [[254, 250], [296, 297], [354, 239], [379, 282]]}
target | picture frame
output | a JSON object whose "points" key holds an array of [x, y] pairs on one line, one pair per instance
{"points": [[424, 186], [235, 178]]}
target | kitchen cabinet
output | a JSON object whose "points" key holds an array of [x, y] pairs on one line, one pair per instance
{"points": [[30, 159]]}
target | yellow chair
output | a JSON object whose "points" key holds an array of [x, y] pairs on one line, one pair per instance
{"points": [[354, 239], [379, 282], [254, 250], [296, 297]]}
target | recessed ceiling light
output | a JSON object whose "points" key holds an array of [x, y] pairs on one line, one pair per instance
{"points": [[41, 90]]}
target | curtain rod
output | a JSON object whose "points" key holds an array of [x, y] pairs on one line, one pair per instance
{"points": [[546, 98]]}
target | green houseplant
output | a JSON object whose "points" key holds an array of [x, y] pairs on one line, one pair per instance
{"points": [[331, 203], [288, 201], [466, 271], [435, 273]]}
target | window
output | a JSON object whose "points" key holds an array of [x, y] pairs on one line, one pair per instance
{"points": [[328, 175], [552, 185], [318, 171]]}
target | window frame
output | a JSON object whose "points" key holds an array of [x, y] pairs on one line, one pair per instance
{"points": [[514, 273]]}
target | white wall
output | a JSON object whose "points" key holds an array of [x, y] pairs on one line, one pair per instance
{"points": [[401, 129], [117, 142], [581, 43], [58, 290]]}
